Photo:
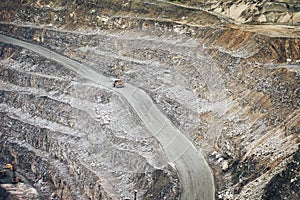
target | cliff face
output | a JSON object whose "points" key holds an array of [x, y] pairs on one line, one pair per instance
{"points": [[73, 139], [76, 13], [233, 89]]}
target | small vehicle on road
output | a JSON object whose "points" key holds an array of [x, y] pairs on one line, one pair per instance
{"points": [[118, 83]]}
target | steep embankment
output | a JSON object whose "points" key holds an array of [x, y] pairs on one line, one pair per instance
{"points": [[73, 143], [233, 89], [252, 12]]}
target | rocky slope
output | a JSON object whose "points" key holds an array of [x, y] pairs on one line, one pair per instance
{"points": [[252, 12], [73, 139], [233, 89]]}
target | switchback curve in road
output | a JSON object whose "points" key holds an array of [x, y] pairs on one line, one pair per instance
{"points": [[194, 172]]}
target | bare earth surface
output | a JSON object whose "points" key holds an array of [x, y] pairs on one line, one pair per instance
{"points": [[205, 82], [195, 174]]}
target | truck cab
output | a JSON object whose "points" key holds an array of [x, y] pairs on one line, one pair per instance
{"points": [[118, 83]]}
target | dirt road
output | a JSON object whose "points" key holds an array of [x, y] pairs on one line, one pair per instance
{"points": [[195, 175]]}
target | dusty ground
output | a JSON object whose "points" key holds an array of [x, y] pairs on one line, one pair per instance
{"points": [[232, 88], [284, 12], [63, 109]]}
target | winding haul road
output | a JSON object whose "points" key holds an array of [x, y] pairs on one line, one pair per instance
{"points": [[195, 175]]}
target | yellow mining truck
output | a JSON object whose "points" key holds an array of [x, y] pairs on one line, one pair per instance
{"points": [[9, 176], [118, 83]]}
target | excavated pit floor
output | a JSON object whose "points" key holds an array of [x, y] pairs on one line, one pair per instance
{"points": [[243, 114]]}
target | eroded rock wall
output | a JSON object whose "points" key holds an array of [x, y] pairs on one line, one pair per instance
{"points": [[252, 12], [60, 130], [245, 103], [233, 91]]}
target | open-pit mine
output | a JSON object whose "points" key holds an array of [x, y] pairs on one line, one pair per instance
{"points": [[150, 100]]}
